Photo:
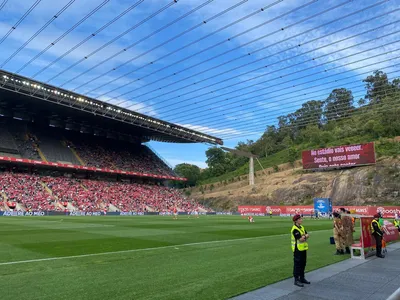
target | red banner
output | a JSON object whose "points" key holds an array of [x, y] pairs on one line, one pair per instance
{"points": [[339, 157], [391, 231], [367, 239], [360, 210], [70, 166], [292, 210], [252, 209], [387, 211], [276, 210]]}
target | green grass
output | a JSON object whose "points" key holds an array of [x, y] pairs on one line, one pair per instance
{"points": [[230, 257]]}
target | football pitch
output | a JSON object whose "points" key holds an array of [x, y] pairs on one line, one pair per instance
{"points": [[150, 257]]}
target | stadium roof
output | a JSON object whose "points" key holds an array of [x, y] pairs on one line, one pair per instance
{"points": [[89, 111]]}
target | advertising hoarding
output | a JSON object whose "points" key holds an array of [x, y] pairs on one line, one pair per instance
{"points": [[339, 157]]}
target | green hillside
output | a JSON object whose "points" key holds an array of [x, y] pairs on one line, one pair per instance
{"points": [[339, 120]]}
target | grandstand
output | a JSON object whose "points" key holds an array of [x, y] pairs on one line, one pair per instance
{"points": [[61, 151]]}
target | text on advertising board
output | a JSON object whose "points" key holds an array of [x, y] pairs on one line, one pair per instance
{"points": [[339, 157]]}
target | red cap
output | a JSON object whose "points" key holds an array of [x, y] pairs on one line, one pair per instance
{"points": [[377, 215], [296, 217]]}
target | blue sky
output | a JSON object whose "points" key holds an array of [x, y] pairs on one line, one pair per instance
{"points": [[214, 70]]}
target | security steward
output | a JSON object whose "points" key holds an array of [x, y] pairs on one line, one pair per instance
{"points": [[397, 224], [377, 232], [299, 247]]}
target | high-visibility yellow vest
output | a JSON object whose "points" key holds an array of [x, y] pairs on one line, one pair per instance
{"points": [[372, 227], [396, 223], [301, 246]]}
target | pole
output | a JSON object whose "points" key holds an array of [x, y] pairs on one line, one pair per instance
{"points": [[251, 171]]}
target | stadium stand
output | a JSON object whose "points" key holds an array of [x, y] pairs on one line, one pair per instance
{"points": [[16, 141], [24, 140], [63, 151], [118, 155], [41, 193], [27, 191], [53, 146], [7, 142]]}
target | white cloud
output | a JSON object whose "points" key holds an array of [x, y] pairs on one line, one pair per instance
{"points": [[242, 113], [210, 130], [221, 132]]}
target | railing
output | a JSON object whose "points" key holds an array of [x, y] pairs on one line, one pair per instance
{"points": [[158, 155]]}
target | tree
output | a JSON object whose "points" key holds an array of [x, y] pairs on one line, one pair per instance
{"points": [[292, 155], [312, 135], [188, 171], [242, 146], [310, 113], [267, 144], [339, 104], [217, 161], [377, 87], [361, 102], [234, 161], [319, 124], [287, 142]]}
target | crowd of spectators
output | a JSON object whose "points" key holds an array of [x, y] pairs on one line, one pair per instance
{"points": [[26, 190], [137, 159], [69, 190], [92, 195]]}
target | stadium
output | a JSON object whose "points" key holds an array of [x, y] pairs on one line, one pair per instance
{"points": [[42, 132], [91, 92]]}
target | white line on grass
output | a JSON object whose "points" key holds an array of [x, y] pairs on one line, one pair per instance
{"points": [[142, 249]]}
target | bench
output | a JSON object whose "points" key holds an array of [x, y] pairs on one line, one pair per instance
{"points": [[357, 246]]}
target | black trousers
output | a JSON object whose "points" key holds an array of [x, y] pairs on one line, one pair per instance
{"points": [[378, 240], [300, 261]]}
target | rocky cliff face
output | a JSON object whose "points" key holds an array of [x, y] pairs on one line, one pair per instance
{"points": [[378, 184]]}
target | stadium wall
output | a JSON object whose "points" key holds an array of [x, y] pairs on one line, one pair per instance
{"points": [[388, 211]]}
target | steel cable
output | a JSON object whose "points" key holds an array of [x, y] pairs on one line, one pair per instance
{"points": [[88, 37], [211, 34], [63, 35], [282, 76], [20, 20], [156, 47], [343, 109], [235, 48], [47, 24]]}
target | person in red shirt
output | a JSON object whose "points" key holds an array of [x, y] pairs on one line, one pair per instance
{"points": [[175, 214], [251, 220]]}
